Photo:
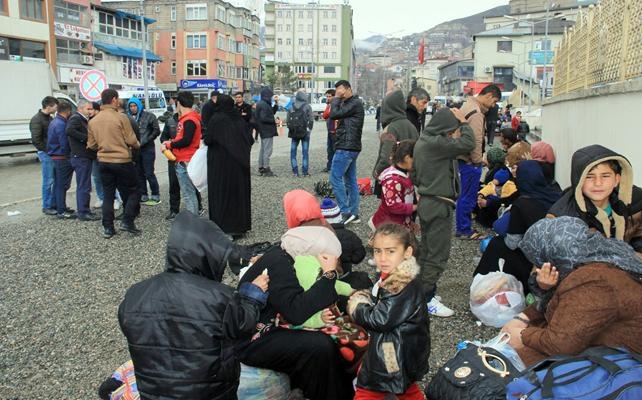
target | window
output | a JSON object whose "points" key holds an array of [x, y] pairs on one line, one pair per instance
{"points": [[172, 68], [279, 14], [287, 27], [106, 23], [3, 7], [288, 14], [309, 14], [279, 28], [334, 54], [220, 13], [334, 14], [196, 12], [300, 41], [325, 42], [325, 28], [309, 27], [197, 68], [279, 55], [544, 44], [132, 68], [23, 48], [220, 68], [32, 9], [300, 14], [504, 46], [70, 13], [172, 13], [231, 44], [325, 14], [172, 41], [279, 41], [68, 51], [334, 28], [300, 55], [309, 42], [288, 42], [220, 41], [325, 54], [334, 42], [123, 27], [329, 70], [300, 28], [196, 41]]}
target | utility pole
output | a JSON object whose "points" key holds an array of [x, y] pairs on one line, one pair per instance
{"points": [[545, 48], [145, 84]]}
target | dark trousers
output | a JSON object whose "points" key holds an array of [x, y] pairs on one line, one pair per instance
{"points": [[145, 167], [330, 149], [62, 183], [124, 178], [310, 359], [436, 217], [82, 169], [175, 190]]}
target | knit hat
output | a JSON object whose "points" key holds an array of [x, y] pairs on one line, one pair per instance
{"points": [[442, 123], [501, 176], [496, 156], [330, 211], [300, 207]]}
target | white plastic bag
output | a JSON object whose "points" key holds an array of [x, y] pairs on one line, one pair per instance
{"points": [[197, 169], [495, 298], [500, 343]]}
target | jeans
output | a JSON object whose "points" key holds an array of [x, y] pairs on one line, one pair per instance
{"points": [[48, 178], [470, 176], [188, 191], [175, 190], [305, 146], [330, 149], [64, 172], [98, 183], [266, 152], [343, 178], [122, 177], [82, 169], [145, 167]]}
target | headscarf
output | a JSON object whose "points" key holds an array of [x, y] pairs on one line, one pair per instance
{"points": [[532, 183], [228, 130], [310, 241], [542, 151], [300, 207]]}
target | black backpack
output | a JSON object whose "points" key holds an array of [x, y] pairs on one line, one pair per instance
{"points": [[297, 124]]}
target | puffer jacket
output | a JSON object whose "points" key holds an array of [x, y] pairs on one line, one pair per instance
{"points": [[349, 115], [38, 126], [147, 124], [264, 114], [182, 324], [626, 199], [399, 329]]}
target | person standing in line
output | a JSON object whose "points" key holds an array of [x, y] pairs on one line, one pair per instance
{"points": [[39, 126], [244, 109], [347, 109], [300, 122], [470, 165], [149, 131], [59, 151], [81, 158], [184, 145], [331, 125], [208, 109], [111, 134], [266, 125], [416, 104]]}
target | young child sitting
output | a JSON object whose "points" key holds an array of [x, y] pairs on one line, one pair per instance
{"points": [[397, 191], [492, 196], [397, 321]]}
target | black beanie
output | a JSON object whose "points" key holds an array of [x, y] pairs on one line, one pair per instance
{"points": [[442, 123]]}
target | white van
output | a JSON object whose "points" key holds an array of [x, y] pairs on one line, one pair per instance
{"points": [[157, 105]]}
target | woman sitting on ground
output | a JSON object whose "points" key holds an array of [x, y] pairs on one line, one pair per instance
{"points": [[595, 295]]}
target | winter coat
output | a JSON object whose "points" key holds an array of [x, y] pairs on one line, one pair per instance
{"points": [[626, 200], [169, 130], [416, 119], [477, 121], [300, 102], [399, 329], [397, 198], [111, 133], [147, 123], [39, 126], [350, 114], [264, 114], [398, 128], [77, 135], [435, 171], [245, 111], [181, 325], [490, 190], [57, 143]]}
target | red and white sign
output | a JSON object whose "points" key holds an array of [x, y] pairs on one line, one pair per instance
{"points": [[71, 75], [72, 31], [92, 84]]}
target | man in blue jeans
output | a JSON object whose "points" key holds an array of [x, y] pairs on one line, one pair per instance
{"points": [[470, 165], [300, 122], [59, 151], [149, 131], [38, 126], [348, 111]]}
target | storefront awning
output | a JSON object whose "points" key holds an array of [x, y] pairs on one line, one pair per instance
{"points": [[126, 51]]}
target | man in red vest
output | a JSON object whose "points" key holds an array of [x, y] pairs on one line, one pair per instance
{"points": [[184, 145]]}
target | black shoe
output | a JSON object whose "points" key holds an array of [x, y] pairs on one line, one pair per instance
{"points": [[88, 217], [171, 216], [66, 215], [70, 210], [49, 211], [119, 217], [261, 171], [131, 228], [108, 233], [268, 172]]}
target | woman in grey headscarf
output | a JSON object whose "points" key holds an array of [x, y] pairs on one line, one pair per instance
{"points": [[597, 300]]}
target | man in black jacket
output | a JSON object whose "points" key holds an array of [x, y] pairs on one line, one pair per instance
{"points": [[81, 158], [244, 109], [416, 104], [266, 125], [149, 131], [347, 109], [38, 126]]}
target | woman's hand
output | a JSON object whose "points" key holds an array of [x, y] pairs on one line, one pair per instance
{"points": [[262, 282], [547, 276], [327, 316], [328, 262], [515, 337]]}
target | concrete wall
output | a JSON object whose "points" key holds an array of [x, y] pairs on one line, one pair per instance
{"points": [[609, 115]]}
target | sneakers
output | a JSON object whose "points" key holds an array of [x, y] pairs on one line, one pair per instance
{"points": [[438, 309], [351, 219], [108, 233], [144, 198], [171, 216], [49, 211], [88, 217], [98, 204], [66, 215], [152, 202]]}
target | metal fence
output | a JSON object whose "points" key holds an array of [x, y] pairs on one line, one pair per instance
{"points": [[604, 46]]}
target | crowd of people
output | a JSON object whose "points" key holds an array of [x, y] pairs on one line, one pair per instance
{"points": [[299, 309]]}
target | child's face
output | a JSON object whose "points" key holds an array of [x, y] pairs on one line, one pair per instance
{"points": [[599, 184], [389, 252]]}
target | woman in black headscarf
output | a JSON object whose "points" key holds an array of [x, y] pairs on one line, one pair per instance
{"points": [[229, 143]]}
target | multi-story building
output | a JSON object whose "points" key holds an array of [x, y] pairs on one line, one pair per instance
{"points": [[427, 74], [453, 76], [205, 46], [25, 28], [308, 45]]}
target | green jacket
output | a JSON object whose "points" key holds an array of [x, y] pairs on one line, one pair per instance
{"points": [[435, 171]]}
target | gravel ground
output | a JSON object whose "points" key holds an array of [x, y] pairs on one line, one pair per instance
{"points": [[62, 283]]}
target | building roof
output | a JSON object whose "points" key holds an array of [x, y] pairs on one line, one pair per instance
{"points": [[522, 28], [126, 51], [467, 60]]}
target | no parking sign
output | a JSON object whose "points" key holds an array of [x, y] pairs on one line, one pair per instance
{"points": [[92, 83]]}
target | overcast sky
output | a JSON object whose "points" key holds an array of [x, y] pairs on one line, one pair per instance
{"points": [[373, 17]]}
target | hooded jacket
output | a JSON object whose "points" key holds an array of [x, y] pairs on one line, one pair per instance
{"points": [[397, 198], [626, 199], [264, 114], [181, 325], [399, 329], [300, 102], [435, 170], [349, 115], [398, 128], [147, 123]]}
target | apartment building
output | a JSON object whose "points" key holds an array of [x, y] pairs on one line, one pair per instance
{"points": [[308, 45], [204, 46], [25, 28]]}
